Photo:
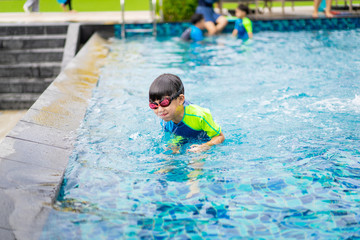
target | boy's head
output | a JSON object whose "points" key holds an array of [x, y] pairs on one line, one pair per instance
{"points": [[198, 20], [241, 11], [166, 96]]}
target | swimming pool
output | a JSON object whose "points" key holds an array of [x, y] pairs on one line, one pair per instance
{"points": [[288, 104]]}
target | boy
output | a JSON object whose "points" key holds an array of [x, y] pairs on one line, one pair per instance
{"points": [[243, 25], [194, 32], [167, 100]]}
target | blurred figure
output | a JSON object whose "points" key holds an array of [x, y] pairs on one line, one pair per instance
{"points": [[327, 8], [65, 3], [31, 6], [194, 32], [214, 23], [243, 25]]}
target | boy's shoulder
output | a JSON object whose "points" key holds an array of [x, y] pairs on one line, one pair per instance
{"points": [[196, 111]]}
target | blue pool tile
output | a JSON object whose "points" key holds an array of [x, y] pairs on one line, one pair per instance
{"points": [[176, 28]]}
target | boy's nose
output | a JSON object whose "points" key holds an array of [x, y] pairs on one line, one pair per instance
{"points": [[160, 108]]}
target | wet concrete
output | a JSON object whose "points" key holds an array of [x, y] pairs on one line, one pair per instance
{"points": [[34, 155], [8, 120]]}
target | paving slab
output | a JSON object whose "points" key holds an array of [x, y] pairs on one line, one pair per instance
{"points": [[34, 153], [6, 234], [24, 176], [24, 212], [40, 134]]}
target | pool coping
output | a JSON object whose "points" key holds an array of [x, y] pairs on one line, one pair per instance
{"points": [[34, 155]]}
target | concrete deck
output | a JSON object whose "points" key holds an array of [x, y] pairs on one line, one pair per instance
{"points": [[88, 17], [8, 120], [35, 153]]}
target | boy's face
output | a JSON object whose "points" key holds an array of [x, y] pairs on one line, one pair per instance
{"points": [[239, 13], [201, 24], [172, 112]]}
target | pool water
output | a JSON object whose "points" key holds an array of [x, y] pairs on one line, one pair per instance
{"points": [[289, 107]]}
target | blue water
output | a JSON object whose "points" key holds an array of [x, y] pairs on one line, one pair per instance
{"points": [[288, 104]]}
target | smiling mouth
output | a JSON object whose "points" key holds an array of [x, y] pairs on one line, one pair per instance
{"points": [[163, 114]]}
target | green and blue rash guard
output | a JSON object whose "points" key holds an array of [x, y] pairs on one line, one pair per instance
{"points": [[197, 123], [243, 26]]}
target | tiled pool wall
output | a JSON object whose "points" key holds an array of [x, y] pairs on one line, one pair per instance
{"points": [[175, 29], [34, 155]]}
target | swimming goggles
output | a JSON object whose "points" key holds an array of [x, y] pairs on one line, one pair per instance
{"points": [[165, 102]]}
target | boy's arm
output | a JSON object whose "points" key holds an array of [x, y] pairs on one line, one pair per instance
{"points": [[235, 32], [206, 146], [216, 140], [248, 27]]}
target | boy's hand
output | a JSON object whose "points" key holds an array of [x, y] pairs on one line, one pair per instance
{"points": [[196, 148]]}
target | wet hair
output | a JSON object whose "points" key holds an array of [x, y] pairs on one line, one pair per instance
{"points": [[243, 8], [166, 85], [197, 17]]}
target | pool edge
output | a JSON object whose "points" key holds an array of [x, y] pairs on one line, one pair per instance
{"points": [[34, 155]]}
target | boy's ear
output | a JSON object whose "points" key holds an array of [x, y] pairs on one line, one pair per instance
{"points": [[182, 98]]}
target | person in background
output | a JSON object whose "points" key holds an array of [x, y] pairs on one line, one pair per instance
{"points": [[65, 3], [31, 6], [214, 23], [243, 25], [327, 9], [194, 32]]}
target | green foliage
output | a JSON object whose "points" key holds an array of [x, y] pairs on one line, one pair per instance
{"points": [[178, 10]]}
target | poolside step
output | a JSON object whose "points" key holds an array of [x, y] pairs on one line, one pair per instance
{"points": [[24, 85], [31, 70], [32, 41], [31, 55], [35, 29], [18, 100], [30, 59]]}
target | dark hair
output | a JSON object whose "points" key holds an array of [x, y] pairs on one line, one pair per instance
{"points": [[243, 8], [166, 85], [197, 17]]}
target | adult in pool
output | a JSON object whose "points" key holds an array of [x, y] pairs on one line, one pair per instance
{"points": [[183, 119], [214, 23]]}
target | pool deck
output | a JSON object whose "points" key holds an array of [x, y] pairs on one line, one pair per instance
{"points": [[144, 16], [35, 153]]}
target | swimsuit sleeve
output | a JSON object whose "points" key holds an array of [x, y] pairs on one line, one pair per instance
{"points": [[211, 128], [248, 25], [196, 35]]}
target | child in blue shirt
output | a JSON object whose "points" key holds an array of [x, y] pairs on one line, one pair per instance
{"points": [[194, 32], [243, 25], [183, 119]]}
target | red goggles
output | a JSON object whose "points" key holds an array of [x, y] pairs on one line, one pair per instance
{"points": [[163, 103]]}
